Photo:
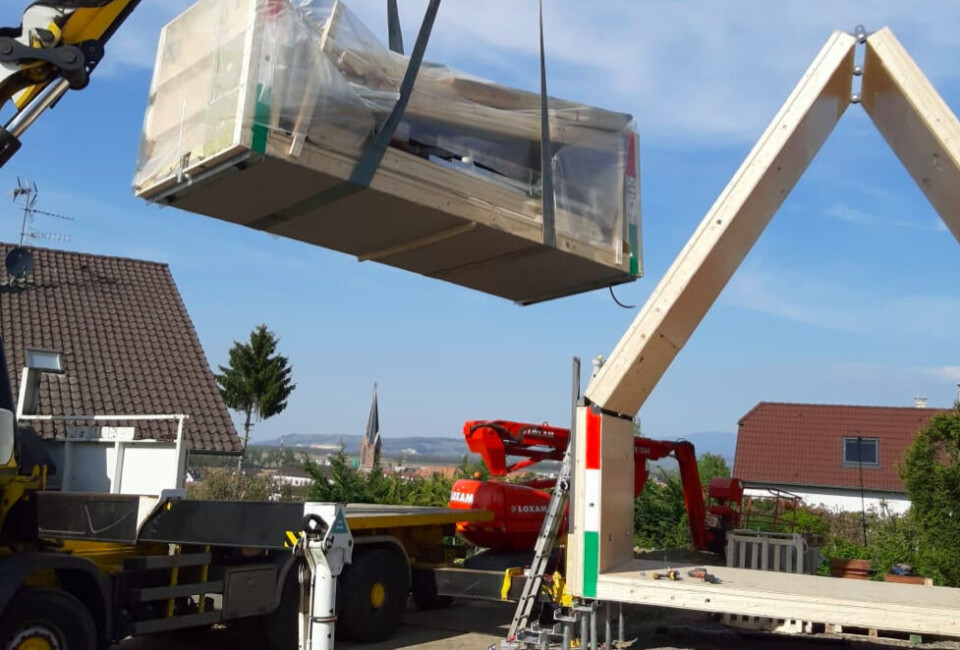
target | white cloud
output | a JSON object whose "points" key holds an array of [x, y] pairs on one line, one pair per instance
{"points": [[860, 217], [944, 373], [699, 72], [806, 301], [833, 304]]}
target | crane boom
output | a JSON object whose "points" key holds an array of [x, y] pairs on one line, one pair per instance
{"points": [[55, 48]]}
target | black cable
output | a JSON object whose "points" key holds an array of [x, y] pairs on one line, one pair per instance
{"points": [[863, 507], [614, 296]]}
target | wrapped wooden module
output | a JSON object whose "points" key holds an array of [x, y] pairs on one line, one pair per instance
{"points": [[260, 109]]}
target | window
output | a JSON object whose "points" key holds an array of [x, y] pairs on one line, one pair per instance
{"points": [[44, 360], [861, 451]]}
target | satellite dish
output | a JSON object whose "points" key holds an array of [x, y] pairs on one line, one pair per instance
{"points": [[19, 262]]}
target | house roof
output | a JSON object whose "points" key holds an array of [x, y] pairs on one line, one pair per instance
{"points": [[427, 471], [802, 444], [126, 342]]}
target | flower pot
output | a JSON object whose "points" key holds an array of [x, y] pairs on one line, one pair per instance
{"points": [[853, 569]]}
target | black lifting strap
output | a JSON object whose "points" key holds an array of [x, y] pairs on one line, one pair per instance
{"points": [[369, 162], [546, 157], [393, 27]]}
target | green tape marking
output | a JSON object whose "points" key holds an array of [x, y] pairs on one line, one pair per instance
{"points": [[261, 119], [591, 555], [634, 251]]}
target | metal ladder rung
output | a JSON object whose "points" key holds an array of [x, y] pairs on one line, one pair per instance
{"points": [[544, 547]]}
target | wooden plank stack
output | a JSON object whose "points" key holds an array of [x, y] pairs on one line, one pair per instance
{"points": [[262, 124]]}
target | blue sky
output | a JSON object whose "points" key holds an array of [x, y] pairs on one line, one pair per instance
{"points": [[851, 296]]}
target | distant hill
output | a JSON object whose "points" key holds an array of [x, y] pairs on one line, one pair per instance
{"points": [[708, 442], [721, 443], [400, 446], [715, 442]]}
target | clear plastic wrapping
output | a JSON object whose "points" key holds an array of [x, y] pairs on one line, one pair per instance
{"points": [[309, 72]]}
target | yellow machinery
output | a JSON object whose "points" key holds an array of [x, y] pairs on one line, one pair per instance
{"points": [[55, 49]]}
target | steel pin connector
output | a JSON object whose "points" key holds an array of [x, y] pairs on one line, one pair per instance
{"points": [[860, 33]]}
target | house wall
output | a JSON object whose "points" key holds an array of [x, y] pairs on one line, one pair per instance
{"points": [[843, 500], [295, 481]]}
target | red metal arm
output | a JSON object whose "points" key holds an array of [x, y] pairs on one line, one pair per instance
{"points": [[692, 493], [495, 440]]}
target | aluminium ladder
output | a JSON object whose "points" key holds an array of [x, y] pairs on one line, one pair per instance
{"points": [[547, 538]]}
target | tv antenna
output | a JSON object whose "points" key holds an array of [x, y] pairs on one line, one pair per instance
{"points": [[26, 194], [19, 260]]}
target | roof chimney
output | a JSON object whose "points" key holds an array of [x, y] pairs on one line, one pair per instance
{"points": [[920, 402]]}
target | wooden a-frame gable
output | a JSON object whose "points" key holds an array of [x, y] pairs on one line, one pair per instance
{"points": [[922, 131]]}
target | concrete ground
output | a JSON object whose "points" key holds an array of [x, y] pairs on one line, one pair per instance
{"points": [[478, 625], [464, 626]]}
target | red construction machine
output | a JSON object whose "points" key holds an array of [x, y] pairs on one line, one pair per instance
{"points": [[519, 507]]}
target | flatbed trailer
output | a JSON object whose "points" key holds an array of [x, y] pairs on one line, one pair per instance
{"points": [[144, 565]]}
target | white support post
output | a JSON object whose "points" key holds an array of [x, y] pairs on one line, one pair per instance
{"points": [[181, 453], [117, 480]]}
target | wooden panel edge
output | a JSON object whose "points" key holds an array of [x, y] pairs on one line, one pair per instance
{"points": [[728, 230], [915, 121]]}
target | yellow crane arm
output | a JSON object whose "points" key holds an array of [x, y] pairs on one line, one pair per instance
{"points": [[55, 48]]}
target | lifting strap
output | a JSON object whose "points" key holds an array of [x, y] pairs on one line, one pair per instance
{"points": [[370, 160], [546, 154], [393, 27]]}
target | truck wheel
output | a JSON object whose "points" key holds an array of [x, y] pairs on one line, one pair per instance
{"points": [[372, 595], [47, 619], [423, 586]]}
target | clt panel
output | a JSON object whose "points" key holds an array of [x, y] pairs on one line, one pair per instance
{"points": [[820, 599], [602, 532], [263, 125], [916, 123], [728, 231]]}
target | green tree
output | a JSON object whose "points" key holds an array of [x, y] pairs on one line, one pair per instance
{"points": [[434, 491], [341, 482], [232, 485], [469, 468], [712, 466], [257, 381], [931, 474], [338, 482], [660, 516]]}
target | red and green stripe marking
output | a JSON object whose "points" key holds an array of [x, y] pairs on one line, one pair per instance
{"points": [[591, 501]]}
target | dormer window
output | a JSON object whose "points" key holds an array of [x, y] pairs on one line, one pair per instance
{"points": [[861, 451]]}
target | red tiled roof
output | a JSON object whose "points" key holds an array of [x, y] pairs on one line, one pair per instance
{"points": [[127, 343], [427, 472], [802, 444]]}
